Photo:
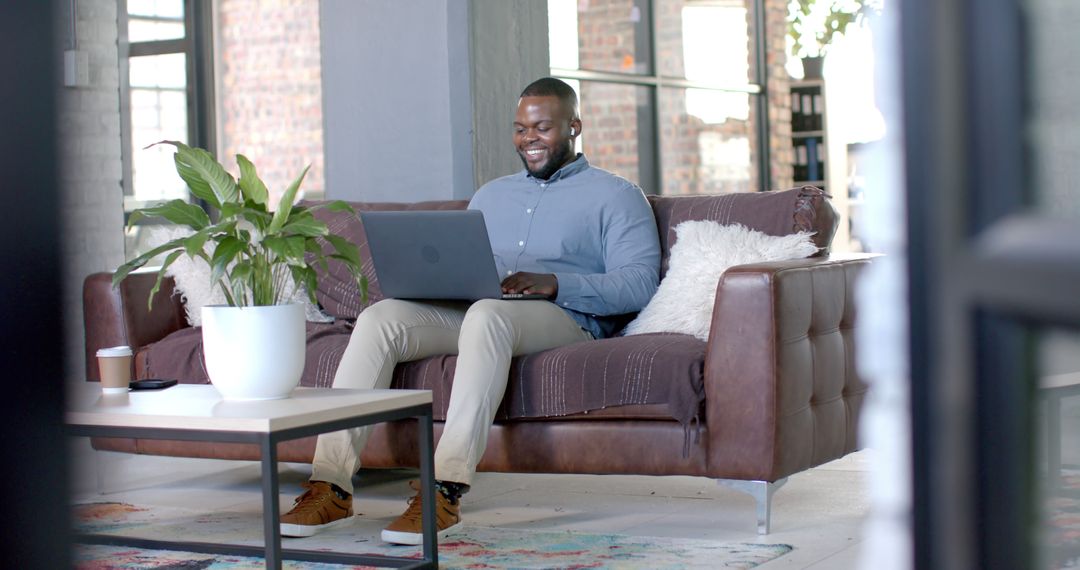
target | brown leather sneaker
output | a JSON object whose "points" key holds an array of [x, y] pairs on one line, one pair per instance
{"points": [[317, 509], [407, 529]]}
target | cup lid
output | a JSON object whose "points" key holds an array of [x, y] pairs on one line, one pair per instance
{"points": [[115, 351]]}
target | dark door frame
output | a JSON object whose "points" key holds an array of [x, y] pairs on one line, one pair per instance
{"points": [[981, 279]]}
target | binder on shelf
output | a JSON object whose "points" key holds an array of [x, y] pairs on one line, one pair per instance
{"points": [[812, 164], [800, 161], [796, 111], [823, 156], [818, 112], [808, 112]]}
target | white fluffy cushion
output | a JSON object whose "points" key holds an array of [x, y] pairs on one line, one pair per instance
{"points": [[192, 277], [703, 251]]}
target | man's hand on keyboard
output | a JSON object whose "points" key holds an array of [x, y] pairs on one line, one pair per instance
{"points": [[532, 283]]}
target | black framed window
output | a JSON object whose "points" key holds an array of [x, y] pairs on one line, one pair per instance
{"points": [[660, 108], [166, 92]]}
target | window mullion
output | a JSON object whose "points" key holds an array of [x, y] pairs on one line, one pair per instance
{"points": [[761, 99], [123, 49], [158, 47]]}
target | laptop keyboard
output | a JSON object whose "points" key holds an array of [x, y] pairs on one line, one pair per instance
{"points": [[522, 296]]}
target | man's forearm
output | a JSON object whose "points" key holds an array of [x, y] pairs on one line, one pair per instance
{"points": [[625, 290]]}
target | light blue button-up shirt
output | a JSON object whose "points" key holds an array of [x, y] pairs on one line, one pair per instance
{"points": [[594, 230]]}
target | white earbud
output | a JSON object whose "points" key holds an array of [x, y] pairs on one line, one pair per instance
{"points": [[572, 131]]}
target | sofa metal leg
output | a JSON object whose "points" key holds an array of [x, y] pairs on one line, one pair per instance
{"points": [[762, 492]]}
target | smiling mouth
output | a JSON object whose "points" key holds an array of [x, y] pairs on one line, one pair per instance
{"points": [[533, 154]]}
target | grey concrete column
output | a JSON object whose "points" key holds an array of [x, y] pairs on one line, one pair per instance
{"points": [[509, 51], [418, 96]]}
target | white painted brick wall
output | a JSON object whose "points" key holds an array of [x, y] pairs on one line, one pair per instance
{"points": [[92, 215]]}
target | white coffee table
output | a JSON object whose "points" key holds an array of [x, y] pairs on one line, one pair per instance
{"points": [[197, 413]]}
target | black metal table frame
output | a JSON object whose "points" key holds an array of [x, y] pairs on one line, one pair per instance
{"points": [[273, 552]]}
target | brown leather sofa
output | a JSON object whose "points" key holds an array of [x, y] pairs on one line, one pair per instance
{"points": [[772, 392]]}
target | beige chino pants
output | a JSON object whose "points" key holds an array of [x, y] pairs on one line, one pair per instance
{"points": [[485, 335]]}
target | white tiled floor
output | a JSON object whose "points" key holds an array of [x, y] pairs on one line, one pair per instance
{"points": [[818, 512]]}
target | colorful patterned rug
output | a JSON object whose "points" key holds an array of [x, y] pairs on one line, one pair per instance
{"points": [[472, 547], [1062, 533]]}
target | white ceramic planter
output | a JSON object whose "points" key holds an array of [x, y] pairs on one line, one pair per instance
{"points": [[254, 353]]}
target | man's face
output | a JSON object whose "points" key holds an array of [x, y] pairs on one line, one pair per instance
{"points": [[542, 135]]}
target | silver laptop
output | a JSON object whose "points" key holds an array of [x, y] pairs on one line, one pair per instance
{"points": [[440, 255]]}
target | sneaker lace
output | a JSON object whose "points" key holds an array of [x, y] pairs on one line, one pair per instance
{"points": [[309, 501], [415, 512]]}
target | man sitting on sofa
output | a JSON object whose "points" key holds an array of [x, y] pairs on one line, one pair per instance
{"points": [[580, 235]]}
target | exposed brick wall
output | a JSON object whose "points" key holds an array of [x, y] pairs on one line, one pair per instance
{"points": [[610, 127], [606, 42], [91, 194], [270, 89], [607, 30]]}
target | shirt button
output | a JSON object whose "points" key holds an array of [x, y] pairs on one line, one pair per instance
{"points": [[543, 185], [509, 271], [565, 304], [521, 243], [528, 211]]}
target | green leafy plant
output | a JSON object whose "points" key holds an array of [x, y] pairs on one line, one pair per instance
{"points": [[813, 23], [258, 256]]}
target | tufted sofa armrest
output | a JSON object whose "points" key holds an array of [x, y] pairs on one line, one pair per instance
{"points": [[781, 391], [116, 316]]}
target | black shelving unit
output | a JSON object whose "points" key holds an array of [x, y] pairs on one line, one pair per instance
{"points": [[819, 161]]}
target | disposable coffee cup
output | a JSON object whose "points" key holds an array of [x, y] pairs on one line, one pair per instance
{"points": [[114, 364]]}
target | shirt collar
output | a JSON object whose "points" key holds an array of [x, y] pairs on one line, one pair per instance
{"points": [[579, 164]]}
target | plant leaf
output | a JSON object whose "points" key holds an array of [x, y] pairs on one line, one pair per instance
{"points": [[294, 248], [194, 243], [161, 274], [258, 217], [305, 276], [218, 231], [230, 210], [340, 206], [201, 165], [134, 217], [286, 203], [221, 182], [175, 211], [363, 281], [335, 206], [195, 183], [346, 251], [313, 249], [289, 249], [226, 250], [275, 244], [241, 271], [125, 269], [251, 185], [305, 225], [358, 275]]}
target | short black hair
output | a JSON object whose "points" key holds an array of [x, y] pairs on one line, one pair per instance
{"points": [[551, 87]]}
